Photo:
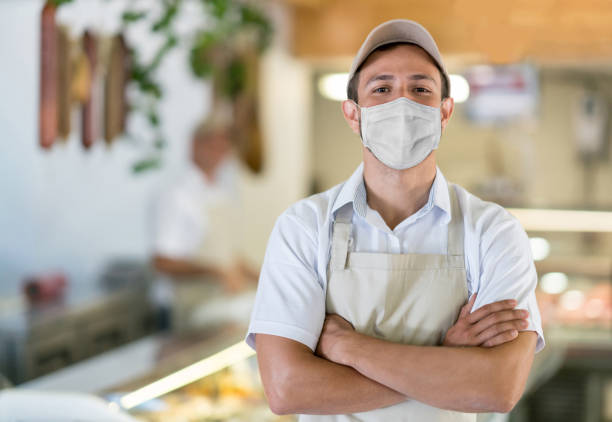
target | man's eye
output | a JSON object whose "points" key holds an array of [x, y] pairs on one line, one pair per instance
{"points": [[422, 90], [381, 89]]}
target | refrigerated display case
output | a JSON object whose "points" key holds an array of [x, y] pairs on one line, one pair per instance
{"points": [[574, 294], [234, 393], [209, 377]]}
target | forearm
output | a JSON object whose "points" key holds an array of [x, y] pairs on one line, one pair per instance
{"points": [[301, 382], [470, 379], [182, 267]]}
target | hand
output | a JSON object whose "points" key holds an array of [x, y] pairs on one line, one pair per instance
{"points": [[491, 325], [249, 272], [233, 279], [335, 335]]}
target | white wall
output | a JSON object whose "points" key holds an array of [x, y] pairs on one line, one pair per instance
{"points": [[72, 209]]}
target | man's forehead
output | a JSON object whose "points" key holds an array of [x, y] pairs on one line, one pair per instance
{"points": [[412, 52], [372, 67]]}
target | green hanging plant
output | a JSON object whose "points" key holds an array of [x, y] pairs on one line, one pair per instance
{"points": [[213, 53]]}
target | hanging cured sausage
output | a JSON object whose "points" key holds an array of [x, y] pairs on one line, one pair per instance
{"points": [[115, 104], [247, 130], [64, 77], [47, 119], [88, 123]]}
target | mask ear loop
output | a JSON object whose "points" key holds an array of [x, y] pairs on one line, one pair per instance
{"points": [[360, 128], [358, 119], [441, 128]]}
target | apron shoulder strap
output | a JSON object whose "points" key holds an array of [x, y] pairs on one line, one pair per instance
{"points": [[455, 226], [341, 234]]}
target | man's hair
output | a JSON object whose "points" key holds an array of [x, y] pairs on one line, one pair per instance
{"points": [[351, 90], [204, 130]]}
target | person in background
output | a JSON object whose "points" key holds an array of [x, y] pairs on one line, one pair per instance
{"points": [[196, 221]]}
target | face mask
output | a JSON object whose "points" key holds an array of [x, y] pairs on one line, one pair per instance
{"points": [[400, 133]]}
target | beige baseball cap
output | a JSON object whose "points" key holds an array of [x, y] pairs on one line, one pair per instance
{"points": [[399, 30]]}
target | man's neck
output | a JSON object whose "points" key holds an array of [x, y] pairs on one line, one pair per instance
{"points": [[207, 173], [397, 194]]}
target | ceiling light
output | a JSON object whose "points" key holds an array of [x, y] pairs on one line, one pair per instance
{"points": [[333, 86], [563, 220], [572, 300], [553, 283], [540, 248], [460, 88]]}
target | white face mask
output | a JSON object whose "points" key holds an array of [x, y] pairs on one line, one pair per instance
{"points": [[401, 133]]}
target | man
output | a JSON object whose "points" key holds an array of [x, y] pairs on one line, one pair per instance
{"points": [[385, 275], [196, 235]]}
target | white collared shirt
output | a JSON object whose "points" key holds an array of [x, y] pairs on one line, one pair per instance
{"points": [[290, 299], [182, 220]]}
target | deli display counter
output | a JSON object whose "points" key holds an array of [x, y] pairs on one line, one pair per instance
{"points": [[205, 373], [224, 386], [208, 376]]}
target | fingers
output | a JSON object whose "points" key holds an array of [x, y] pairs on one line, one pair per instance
{"points": [[497, 318], [467, 308], [500, 328], [337, 321], [501, 338], [486, 310]]}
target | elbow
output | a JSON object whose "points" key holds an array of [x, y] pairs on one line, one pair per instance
{"points": [[504, 405], [280, 395], [506, 397], [278, 402]]}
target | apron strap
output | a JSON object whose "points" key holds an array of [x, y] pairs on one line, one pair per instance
{"points": [[455, 226], [341, 234]]}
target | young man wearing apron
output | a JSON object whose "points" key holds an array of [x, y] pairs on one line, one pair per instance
{"points": [[369, 290]]}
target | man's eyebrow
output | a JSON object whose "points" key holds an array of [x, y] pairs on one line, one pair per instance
{"points": [[421, 76], [380, 78], [384, 77]]}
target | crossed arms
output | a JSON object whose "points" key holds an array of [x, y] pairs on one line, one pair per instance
{"points": [[482, 366]]}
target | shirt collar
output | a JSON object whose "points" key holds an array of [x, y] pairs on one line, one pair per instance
{"points": [[353, 191]]}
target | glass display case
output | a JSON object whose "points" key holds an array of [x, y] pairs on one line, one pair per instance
{"points": [[573, 257], [234, 393], [204, 377]]}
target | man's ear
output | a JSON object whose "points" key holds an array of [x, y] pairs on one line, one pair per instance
{"points": [[351, 112], [446, 110]]}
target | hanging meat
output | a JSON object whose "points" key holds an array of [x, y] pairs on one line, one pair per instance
{"points": [[247, 129], [64, 77], [115, 103], [88, 123], [47, 116]]}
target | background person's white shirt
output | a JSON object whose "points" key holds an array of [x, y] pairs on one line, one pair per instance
{"points": [[182, 220], [290, 299]]}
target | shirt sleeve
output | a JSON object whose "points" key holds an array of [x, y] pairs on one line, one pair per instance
{"points": [[507, 270], [290, 299]]}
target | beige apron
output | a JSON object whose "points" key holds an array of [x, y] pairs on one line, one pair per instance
{"points": [[218, 249], [403, 298], [220, 245]]}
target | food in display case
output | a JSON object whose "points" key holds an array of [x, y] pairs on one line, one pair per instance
{"points": [[232, 394], [583, 303]]}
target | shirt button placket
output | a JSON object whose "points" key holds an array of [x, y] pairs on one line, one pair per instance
{"points": [[395, 244]]}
